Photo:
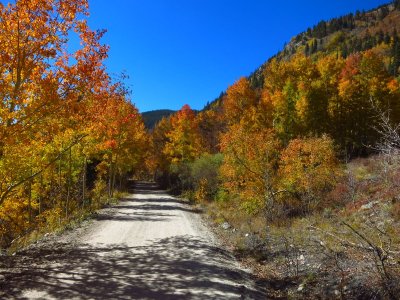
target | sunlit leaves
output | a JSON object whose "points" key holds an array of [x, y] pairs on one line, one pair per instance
{"points": [[250, 162], [238, 100], [184, 142], [59, 113], [308, 169]]}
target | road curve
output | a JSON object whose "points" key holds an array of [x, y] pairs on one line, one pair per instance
{"points": [[150, 246]]}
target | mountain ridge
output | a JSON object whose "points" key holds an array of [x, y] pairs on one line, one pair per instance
{"points": [[345, 34], [152, 117]]}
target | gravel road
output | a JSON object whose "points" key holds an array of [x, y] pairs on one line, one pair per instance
{"points": [[150, 246]]}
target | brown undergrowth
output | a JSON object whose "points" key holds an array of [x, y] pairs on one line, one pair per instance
{"points": [[349, 250]]}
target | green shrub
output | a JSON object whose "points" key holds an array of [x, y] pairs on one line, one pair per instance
{"points": [[221, 196], [205, 175]]}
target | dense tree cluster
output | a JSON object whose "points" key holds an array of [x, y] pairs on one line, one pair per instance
{"points": [[68, 134], [280, 145]]}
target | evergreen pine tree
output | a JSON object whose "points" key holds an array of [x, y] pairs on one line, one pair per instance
{"points": [[307, 50], [396, 4], [380, 37], [314, 46], [387, 39], [345, 51], [395, 64]]}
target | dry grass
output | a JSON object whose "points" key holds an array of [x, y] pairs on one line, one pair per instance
{"points": [[350, 249]]}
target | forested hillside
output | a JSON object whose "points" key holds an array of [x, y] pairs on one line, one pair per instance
{"points": [[151, 118], [271, 156], [343, 36]]}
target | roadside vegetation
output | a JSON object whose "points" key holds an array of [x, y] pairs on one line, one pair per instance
{"points": [[69, 136], [300, 173]]}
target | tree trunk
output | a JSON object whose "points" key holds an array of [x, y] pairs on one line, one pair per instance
{"points": [[68, 183], [30, 200], [84, 181], [110, 176]]}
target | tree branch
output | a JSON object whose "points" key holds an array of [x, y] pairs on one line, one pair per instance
{"points": [[15, 185]]}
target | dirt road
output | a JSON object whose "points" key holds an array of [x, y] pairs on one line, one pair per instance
{"points": [[151, 246]]}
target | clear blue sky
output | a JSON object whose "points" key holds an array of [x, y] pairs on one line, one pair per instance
{"points": [[188, 51]]}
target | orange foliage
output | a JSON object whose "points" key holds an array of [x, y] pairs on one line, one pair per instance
{"points": [[308, 170], [239, 98], [250, 161], [184, 141], [59, 112]]}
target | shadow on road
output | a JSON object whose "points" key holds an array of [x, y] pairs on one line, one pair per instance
{"points": [[181, 267], [142, 187], [161, 206], [134, 217]]}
